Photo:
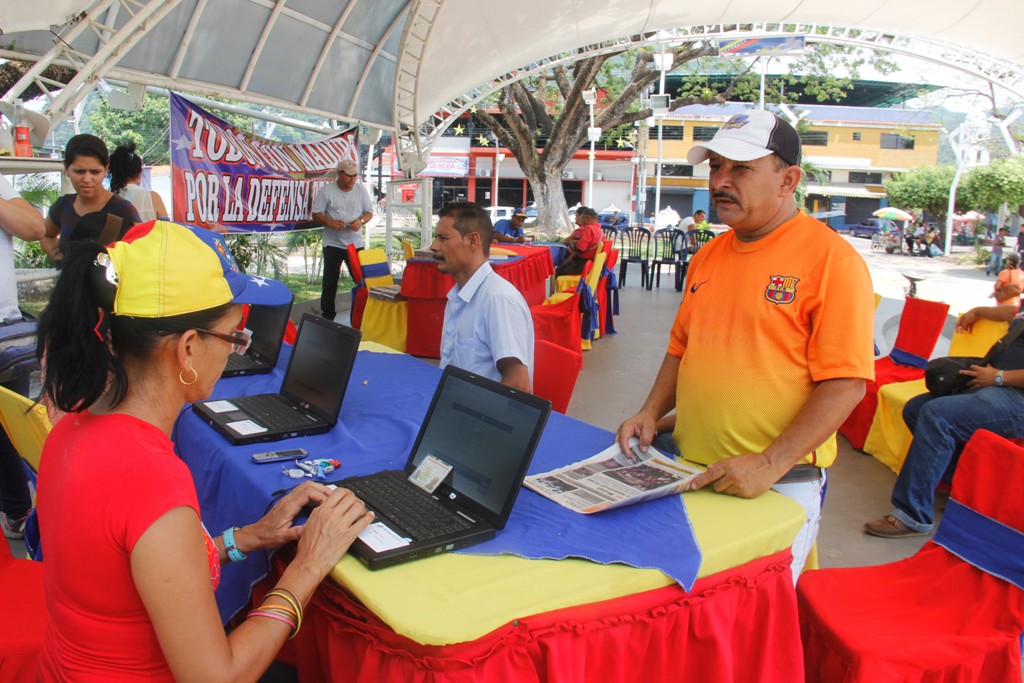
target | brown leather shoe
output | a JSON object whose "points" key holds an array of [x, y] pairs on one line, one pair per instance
{"points": [[890, 527]]}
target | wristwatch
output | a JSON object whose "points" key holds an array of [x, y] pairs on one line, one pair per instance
{"points": [[998, 380]]}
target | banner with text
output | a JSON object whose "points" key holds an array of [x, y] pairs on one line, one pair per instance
{"points": [[227, 179]]}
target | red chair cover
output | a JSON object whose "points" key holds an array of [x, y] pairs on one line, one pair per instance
{"points": [[931, 618], [24, 617], [555, 369], [558, 323], [737, 625], [359, 294], [427, 290], [290, 332], [921, 323]]}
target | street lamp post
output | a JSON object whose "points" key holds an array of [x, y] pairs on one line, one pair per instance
{"points": [[663, 62], [965, 143], [498, 158], [593, 134]]}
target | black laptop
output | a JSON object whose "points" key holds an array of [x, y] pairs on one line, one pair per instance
{"points": [[311, 393], [266, 324], [487, 432]]}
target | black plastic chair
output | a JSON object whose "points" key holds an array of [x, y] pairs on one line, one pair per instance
{"points": [[693, 241], [669, 245], [634, 246], [610, 233]]}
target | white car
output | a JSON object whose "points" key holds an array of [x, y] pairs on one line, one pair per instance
{"points": [[497, 213]]}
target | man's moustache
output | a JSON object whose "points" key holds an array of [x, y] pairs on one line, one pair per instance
{"points": [[724, 195]]}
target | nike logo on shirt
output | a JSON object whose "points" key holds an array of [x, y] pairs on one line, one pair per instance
{"points": [[694, 288]]}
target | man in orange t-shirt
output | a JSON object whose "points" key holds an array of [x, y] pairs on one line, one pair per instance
{"points": [[771, 347]]}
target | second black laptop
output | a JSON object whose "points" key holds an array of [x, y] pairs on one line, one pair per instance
{"points": [[486, 433], [267, 325], [311, 394]]}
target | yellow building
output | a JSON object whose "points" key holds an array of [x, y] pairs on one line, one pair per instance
{"points": [[856, 149]]}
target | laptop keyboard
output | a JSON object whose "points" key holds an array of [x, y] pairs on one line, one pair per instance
{"points": [[271, 410], [237, 362], [417, 512]]}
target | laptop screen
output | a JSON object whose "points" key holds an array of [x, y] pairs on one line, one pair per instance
{"points": [[487, 432], [320, 365], [267, 324]]}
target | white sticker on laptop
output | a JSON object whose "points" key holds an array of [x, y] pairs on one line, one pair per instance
{"points": [[429, 474], [380, 537], [221, 406], [246, 427]]}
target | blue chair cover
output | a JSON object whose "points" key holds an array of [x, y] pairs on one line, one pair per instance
{"points": [[612, 302], [906, 358], [983, 542], [372, 270], [588, 307], [33, 544]]}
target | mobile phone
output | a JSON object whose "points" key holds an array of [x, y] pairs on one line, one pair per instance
{"points": [[277, 456]]}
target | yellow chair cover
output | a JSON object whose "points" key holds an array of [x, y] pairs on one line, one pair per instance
{"points": [[368, 259], [26, 424], [386, 322], [888, 440], [567, 283], [592, 279], [407, 250]]}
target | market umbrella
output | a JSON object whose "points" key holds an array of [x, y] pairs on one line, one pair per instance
{"points": [[893, 214]]}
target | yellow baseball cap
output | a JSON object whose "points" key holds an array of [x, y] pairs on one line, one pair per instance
{"points": [[163, 269]]}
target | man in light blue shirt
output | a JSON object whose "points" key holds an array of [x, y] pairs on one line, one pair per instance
{"points": [[487, 325]]}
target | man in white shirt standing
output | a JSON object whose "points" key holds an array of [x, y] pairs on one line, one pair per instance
{"points": [[17, 219], [343, 209], [487, 325]]}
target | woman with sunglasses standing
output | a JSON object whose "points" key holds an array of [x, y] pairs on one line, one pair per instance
{"points": [[132, 333]]}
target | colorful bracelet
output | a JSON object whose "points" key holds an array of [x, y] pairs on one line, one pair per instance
{"points": [[234, 554], [288, 597], [280, 617]]}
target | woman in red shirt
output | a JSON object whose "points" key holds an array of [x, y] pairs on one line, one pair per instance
{"points": [[133, 332], [583, 242]]}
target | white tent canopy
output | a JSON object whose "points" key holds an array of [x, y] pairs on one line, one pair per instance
{"points": [[389, 63]]}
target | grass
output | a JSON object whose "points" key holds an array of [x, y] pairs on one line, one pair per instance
{"points": [[33, 298]]}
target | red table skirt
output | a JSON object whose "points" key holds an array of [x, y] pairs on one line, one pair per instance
{"points": [[427, 291], [737, 625]]}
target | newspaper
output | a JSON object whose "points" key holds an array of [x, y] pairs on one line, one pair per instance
{"points": [[386, 292], [613, 479]]}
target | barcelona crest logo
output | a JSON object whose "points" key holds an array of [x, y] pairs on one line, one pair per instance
{"points": [[781, 289]]}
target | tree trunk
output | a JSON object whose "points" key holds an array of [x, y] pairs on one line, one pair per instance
{"points": [[552, 211]]}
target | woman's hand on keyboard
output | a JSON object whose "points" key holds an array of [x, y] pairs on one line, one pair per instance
{"points": [[278, 527], [331, 529]]}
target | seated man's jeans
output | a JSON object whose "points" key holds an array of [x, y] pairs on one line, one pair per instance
{"points": [[939, 425]]}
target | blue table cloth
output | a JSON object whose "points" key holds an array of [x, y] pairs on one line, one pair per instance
{"points": [[386, 401]]}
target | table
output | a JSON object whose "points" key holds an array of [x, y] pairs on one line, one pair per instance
{"points": [[427, 291], [452, 605]]}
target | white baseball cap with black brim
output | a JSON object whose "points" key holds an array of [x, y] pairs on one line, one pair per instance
{"points": [[751, 135]]}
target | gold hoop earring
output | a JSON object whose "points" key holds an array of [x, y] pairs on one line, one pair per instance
{"points": [[181, 378]]}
